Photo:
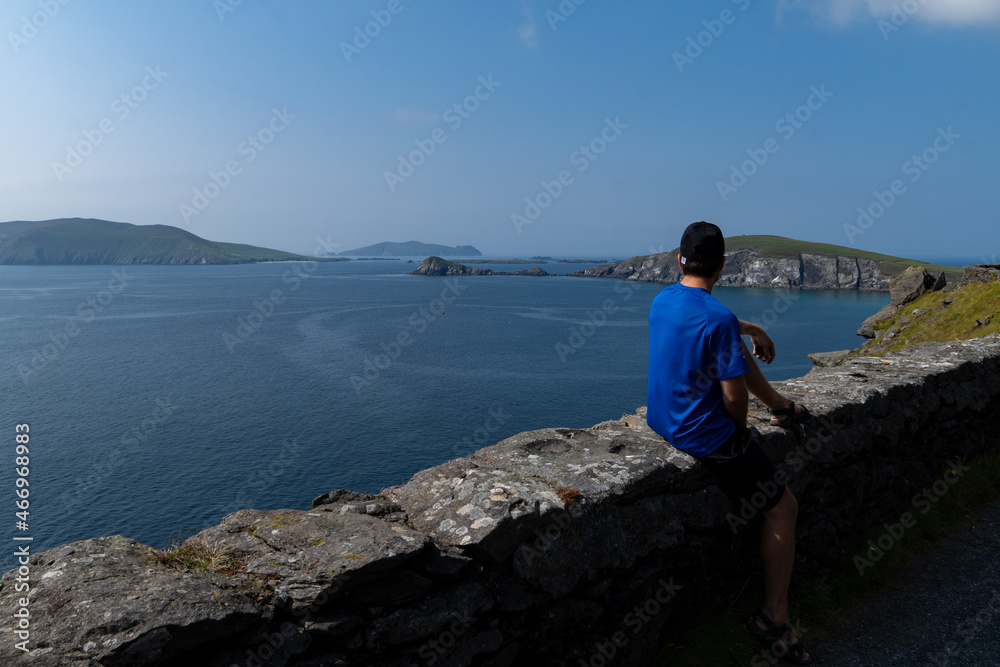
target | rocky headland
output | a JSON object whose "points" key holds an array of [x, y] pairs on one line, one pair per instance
{"points": [[763, 261]]}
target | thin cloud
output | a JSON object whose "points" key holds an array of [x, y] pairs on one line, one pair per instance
{"points": [[951, 12], [528, 31]]}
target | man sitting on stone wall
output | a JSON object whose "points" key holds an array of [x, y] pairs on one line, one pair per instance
{"points": [[700, 373]]}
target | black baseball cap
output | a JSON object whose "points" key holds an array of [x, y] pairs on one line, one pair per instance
{"points": [[703, 242]]}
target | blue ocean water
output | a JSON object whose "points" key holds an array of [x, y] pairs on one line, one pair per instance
{"points": [[161, 398]]}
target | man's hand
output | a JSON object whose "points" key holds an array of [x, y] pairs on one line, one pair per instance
{"points": [[763, 346]]}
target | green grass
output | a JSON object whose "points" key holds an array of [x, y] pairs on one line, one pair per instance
{"points": [[940, 323], [195, 555], [822, 603]]}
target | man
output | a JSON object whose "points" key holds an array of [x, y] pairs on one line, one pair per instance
{"points": [[700, 373]]}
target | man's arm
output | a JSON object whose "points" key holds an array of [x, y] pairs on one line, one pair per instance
{"points": [[763, 346], [736, 399]]}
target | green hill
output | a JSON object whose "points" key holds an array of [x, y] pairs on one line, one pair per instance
{"points": [[780, 246], [88, 241], [412, 249]]}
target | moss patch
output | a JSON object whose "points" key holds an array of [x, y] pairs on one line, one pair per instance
{"points": [[939, 322]]}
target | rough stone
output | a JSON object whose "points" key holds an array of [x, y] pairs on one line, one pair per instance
{"points": [[107, 600], [909, 285], [316, 553], [340, 496], [826, 359], [867, 329], [982, 273]]}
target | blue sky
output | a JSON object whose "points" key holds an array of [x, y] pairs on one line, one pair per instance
{"points": [[594, 129]]}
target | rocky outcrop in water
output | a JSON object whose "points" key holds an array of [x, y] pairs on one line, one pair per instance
{"points": [[551, 547], [435, 266]]}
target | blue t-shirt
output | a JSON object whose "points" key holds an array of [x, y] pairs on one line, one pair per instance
{"points": [[694, 342]]}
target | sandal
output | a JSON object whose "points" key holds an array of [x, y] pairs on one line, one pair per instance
{"points": [[777, 639], [790, 417]]}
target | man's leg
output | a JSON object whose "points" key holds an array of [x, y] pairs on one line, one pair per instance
{"points": [[777, 553]]}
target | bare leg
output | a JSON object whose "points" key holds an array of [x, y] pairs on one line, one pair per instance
{"points": [[777, 553]]}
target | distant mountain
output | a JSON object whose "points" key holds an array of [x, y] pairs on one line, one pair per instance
{"points": [[88, 241], [412, 249], [776, 261]]}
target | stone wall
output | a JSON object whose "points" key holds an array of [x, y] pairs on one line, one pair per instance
{"points": [[554, 547]]}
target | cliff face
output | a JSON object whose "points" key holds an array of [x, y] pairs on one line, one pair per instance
{"points": [[749, 267], [550, 547]]}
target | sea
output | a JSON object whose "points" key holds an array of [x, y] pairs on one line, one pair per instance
{"points": [[158, 399]]}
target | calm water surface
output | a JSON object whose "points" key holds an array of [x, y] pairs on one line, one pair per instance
{"points": [[172, 403]]}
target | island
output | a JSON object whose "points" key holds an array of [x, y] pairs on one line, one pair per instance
{"points": [[89, 241], [776, 261], [435, 266], [412, 249]]}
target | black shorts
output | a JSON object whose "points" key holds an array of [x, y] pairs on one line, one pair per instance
{"points": [[745, 472]]}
